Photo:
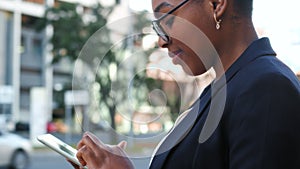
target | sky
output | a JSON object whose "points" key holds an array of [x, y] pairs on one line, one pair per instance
{"points": [[280, 21]]}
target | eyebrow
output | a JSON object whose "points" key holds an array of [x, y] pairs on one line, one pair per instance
{"points": [[162, 5]]}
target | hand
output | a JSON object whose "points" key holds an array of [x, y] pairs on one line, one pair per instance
{"points": [[97, 155], [73, 164]]}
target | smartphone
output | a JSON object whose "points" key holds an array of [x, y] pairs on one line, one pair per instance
{"points": [[60, 147]]}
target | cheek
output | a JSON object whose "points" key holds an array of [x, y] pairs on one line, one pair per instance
{"points": [[193, 38], [196, 45], [195, 65], [190, 62], [181, 31]]}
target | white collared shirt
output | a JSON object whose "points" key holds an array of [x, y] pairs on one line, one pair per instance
{"points": [[178, 120]]}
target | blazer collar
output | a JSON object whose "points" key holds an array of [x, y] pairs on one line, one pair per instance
{"points": [[218, 89], [258, 48]]}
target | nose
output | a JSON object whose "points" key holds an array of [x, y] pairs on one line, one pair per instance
{"points": [[162, 43]]}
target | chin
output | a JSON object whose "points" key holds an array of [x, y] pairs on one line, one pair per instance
{"points": [[192, 72], [188, 71]]}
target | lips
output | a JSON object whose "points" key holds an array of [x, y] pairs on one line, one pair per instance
{"points": [[175, 56]]}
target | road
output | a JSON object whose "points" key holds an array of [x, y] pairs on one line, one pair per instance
{"points": [[47, 159]]}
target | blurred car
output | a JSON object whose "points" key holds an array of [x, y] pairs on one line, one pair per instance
{"points": [[14, 151]]}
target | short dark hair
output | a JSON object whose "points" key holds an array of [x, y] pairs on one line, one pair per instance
{"points": [[243, 7]]}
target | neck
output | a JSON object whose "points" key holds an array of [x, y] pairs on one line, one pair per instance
{"points": [[235, 39]]}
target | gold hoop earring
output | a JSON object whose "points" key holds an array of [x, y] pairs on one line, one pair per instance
{"points": [[218, 26]]}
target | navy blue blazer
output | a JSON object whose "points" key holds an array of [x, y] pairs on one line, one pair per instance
{"points": [[259, 123]]}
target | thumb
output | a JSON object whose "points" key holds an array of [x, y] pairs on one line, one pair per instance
{"points": [[122, 145]]}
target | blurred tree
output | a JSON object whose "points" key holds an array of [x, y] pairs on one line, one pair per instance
{"points": [[73, 25], [173, 99]]}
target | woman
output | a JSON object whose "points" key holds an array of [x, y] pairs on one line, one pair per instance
{"points": [[259, 120]]}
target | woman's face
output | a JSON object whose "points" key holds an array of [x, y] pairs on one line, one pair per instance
{"points": [[187, 28]]}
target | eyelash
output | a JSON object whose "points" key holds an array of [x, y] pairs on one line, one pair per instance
{"points": [[169, 22]]}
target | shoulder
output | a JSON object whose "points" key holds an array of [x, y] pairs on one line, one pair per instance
{"points": [[264, 91], [264, 85], [264, 74]]}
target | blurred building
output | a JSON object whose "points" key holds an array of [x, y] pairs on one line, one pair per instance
{"points": [[25, 59]]}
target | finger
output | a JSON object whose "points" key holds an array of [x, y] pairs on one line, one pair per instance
{"points": [[94, 138], [80, 154], [73, 164], [89, 136], [123, 145], [92, 141], [80, 144]]}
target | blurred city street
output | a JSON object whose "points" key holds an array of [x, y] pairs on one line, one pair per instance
{"points": [[48, 159], [43, 157], [70, 66]]}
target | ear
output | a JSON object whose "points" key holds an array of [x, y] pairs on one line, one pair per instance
{"points": [[219, 7]]}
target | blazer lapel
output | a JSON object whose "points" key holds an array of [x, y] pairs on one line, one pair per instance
{"points": [[181, 130], [219, 87], [249, 55]]}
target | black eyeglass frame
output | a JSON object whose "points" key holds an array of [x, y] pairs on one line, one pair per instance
{"points": [[159, 29]]}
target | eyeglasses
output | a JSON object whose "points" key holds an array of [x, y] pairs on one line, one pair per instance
{"points": [[157, 26]]}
